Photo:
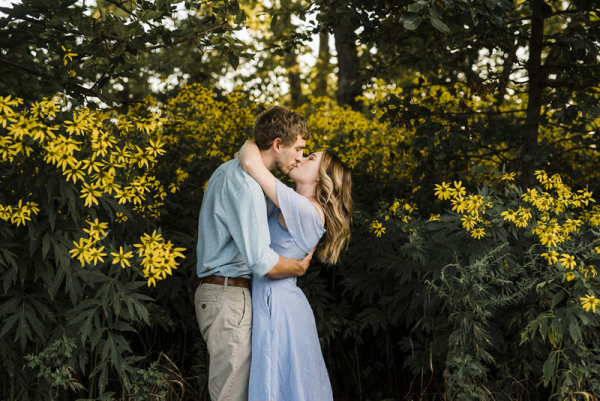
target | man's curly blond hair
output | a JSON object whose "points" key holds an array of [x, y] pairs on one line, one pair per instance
{"points": [[279, 122]]}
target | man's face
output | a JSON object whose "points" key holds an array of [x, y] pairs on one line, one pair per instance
{"points": [[289, 157]]}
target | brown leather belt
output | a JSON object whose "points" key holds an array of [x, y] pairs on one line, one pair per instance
{"points": [[232, 281]]}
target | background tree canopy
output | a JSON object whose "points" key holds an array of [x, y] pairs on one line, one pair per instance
{"points": [[471, 129]]}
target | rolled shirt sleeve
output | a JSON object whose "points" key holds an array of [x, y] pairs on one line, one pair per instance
{"points": [[246, 218]]}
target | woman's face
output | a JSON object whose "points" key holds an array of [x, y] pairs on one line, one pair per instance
{"points": [[307, 171]]}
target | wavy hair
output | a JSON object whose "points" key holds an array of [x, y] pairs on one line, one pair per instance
{"points": [[279, 122], [334, 195]]}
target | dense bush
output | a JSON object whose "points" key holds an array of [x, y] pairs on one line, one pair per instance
{"points": [[479, 294]]}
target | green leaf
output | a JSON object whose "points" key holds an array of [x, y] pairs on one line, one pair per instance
{"points": [[438, 24], [130, 58], [416, 7], [549, 367], [575, 331], [233, 60], [151, 15], [46, 245], [8, 324], [9, 306], [412, 22], [558, 297]]}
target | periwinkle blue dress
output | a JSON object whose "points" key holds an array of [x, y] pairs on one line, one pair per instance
{"points": [[287, 362]]}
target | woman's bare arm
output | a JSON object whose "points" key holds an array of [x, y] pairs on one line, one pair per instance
{"points": [[252, 164]]}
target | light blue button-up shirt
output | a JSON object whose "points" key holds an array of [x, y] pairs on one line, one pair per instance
{"points": [[233, 232]]}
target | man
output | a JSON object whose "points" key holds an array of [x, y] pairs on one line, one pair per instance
{"points": [[233, 244]]}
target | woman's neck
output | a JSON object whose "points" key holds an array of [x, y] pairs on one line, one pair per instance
{"points": [[307, 190]]}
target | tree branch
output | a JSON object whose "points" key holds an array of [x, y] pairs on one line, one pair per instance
{"points": [[224, 26], [82, 89], [120, 5]]}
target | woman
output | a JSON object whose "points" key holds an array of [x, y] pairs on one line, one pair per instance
{"points": [[287, 363]]}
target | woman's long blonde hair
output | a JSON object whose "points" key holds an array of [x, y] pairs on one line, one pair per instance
{"points": [[334, 196]]}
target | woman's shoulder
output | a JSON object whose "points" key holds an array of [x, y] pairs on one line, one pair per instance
{"points": [[319, 210]]}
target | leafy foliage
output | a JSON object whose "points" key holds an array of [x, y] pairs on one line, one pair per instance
{"points": [[458, 283]]}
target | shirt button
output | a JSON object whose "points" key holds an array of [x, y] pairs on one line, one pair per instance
{"points": [[203, 306]]}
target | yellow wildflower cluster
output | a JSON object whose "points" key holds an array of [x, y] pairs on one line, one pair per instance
{"points": [[400, 211], [100, 160], [105, 155], [555, 220], [158, 257], [377, 228], [89, 250], [20, 213], [212, 128], [180, 176], [472, 208], [363, 143]]}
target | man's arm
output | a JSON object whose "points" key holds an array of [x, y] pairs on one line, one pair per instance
{"points": [[286, 267]]}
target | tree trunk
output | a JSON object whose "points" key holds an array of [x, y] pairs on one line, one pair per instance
{"points": [[293, 72], [323, 65], [349, 85], [534, 105]]}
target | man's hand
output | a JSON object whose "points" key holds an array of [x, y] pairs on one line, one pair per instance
{"points": [[306, 261], [286, 267]]}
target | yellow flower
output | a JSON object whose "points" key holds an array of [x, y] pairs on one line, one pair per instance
{"points": [[68, 56], [436, 217], [531, 195], [21, 213], [589, 302], [509, 215], [120, 217], [122, 257], [155, 148], [458, 189], [478, 233], [443, 191], [75, 173], [96, 230], [6, 103], [551, 257], [568, 261], [458, 205], [524, 213], [81, 251], [570, 276], [91, 194], [468, 222], [508, 177], [521, 222], [541, 176], [590, 272], [96, 254], [377, 228]]}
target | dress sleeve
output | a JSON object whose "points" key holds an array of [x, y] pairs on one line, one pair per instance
{"points": [[301, 218]]}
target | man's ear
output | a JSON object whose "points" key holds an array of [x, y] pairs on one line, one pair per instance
{"points": [[276, 145]]}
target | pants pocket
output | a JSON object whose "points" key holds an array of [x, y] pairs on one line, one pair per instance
{"points": [[207, 310], [246, 309]]}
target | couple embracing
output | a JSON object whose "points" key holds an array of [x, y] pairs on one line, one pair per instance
{"points": [[258, 325]]}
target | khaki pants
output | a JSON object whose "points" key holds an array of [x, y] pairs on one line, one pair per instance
{"points": [[224, 315]]}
